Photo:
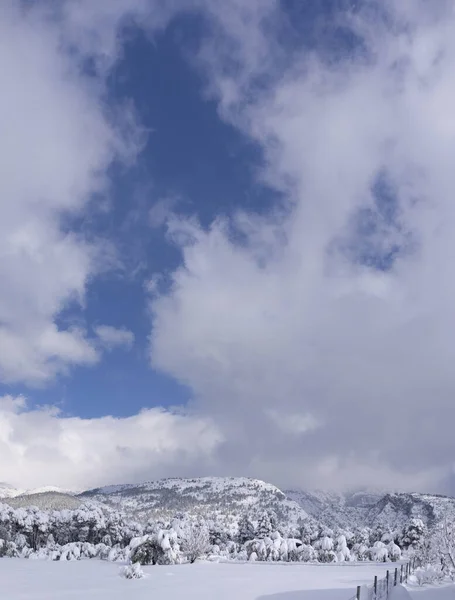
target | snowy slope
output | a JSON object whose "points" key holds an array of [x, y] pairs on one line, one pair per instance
{"points": [[46, 498], [208, 496], [9, 491], [44, 501], [395, 509], [372, 508]]}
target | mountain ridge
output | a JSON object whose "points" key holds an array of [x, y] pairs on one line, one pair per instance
{"points": [[212, 496], [374, 509], [226, 498]]}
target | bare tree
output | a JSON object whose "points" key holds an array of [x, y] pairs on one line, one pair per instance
{"points": [[445, 543], [196, 542]]}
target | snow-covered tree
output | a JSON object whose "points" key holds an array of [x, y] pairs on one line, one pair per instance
{"points": [[393, 551], [309, 531], [160, 548], [413, 535], [444, 544], [264, 528], [360, 552], [379, 552], [341, 549], [132, 571], [195, 542], [324, 546], [247, 530]]}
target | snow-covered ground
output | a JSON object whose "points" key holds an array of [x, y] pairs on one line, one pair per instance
{"points": [[446, 592], [94, 579]]}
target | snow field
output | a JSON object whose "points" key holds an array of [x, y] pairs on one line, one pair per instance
{"points": [[22, 579]]}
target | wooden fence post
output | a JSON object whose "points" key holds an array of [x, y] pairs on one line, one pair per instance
{"points": [[387, 583], [358, 593], [375, 586], [401, 574]]}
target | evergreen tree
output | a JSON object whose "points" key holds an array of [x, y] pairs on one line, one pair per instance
{"points": [[247, 530], [264, 526], [413, 534]]}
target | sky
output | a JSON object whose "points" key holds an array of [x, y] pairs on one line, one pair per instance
{"points": [[226, 242]]}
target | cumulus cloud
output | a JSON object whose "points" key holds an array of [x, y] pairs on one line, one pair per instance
{"points": [[60, 137], [113, 337], [316, 338], [40, 446], [339, 303], [56, 145]]}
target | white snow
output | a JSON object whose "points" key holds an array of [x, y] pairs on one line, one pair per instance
{"points": [[446, 592], [94, 579], [8, 491]]}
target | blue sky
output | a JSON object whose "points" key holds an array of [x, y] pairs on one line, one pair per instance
{"points": [[204, 166], [191, 156], [224, 241]]}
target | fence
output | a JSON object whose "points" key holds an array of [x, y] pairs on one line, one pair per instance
{"points": [[380, 589]]}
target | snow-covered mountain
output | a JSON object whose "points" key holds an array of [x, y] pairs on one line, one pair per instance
{"points": [[226, 498], [213, 497], [45, 501], [46, 498], [336, 508], [9, 491], [373, 508]]}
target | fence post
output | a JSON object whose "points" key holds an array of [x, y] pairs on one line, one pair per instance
{"points": [[395, 578], [358, 593], [401, 574], [387, 583], [375, 586]]}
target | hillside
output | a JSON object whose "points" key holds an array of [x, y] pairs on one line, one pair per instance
{"points": [[225, 499], [44, 501], [45, 498], [372, 509], [212, 497], [9, 491]]}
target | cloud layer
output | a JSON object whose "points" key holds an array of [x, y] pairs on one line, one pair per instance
{"points": [[57, 142], [112, 337], [316, 338], [338, 308], [39, 445]]}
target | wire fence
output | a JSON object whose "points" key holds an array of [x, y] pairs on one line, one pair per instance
{"points": [[381, 589]]}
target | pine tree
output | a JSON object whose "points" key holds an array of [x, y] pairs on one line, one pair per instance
{"points": [[247, 530], [264, 526]]}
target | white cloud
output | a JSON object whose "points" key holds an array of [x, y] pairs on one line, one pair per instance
{"points": [[293, 423], [317, 368], [40, 446], [58, 140], [295, 317], [113, 337], [162, 210]]}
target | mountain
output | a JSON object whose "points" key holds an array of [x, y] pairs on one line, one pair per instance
{"points": [[393, 509], [44, 501], [9, 491], [46, 498], [335, 508], [218, 498], [225, 499], [373, 508]]}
